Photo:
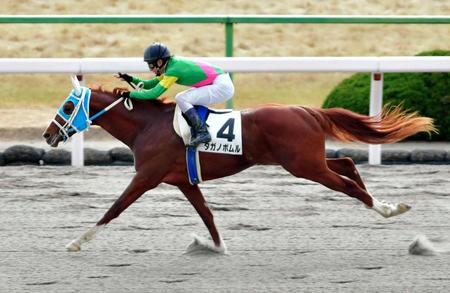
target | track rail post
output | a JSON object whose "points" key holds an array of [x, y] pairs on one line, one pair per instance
{"points": [[376, 106], [77, 155]]}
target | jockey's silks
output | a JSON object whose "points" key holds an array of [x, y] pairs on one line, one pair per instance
{"points": [[178, 70]]}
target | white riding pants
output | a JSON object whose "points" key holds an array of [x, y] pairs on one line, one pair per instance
{"points": [[221, 90]]}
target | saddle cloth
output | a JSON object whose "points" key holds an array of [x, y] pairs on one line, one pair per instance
{"points": [[225, 129]]}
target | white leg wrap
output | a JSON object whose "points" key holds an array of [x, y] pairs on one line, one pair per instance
{"points": [[387, 209], [202, 245], [75, 245]]}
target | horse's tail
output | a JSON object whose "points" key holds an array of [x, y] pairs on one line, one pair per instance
{"points": [[394, 125]]}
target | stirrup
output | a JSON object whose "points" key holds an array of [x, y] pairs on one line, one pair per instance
{"points": [[206, 137]]}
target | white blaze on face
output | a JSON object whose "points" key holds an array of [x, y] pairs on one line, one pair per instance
{"points": [[76, 84]]}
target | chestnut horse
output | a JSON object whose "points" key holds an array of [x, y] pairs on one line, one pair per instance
{"points": [[290, 136]]}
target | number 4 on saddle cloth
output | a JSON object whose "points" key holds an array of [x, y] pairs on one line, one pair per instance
{"points": [[226, 136]]}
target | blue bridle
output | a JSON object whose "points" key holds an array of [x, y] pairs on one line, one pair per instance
{"points": [[78, 120]]}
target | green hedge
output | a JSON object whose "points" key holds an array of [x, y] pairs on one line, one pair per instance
{"points": [[427, 93]]}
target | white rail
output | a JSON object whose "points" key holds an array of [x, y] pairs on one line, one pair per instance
{"points": [[233, 64], [375, 65]]}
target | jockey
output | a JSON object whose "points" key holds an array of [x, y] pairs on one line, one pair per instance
{"points": [[209, 84]]}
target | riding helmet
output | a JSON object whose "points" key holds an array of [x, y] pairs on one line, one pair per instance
{"points": [[156, 51]]}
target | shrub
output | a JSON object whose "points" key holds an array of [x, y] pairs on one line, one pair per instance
{"points": [[427, 93]]}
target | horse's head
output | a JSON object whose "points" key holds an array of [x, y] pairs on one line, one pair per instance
{"points": [[72, 116]]}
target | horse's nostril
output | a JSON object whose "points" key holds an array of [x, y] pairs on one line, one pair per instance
{"points": [[46, 135]]}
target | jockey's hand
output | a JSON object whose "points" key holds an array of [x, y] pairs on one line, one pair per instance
{"points": [[124, 76], [125, 95]]}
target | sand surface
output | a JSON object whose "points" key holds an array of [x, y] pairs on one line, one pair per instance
{"points": [[283, 234]]}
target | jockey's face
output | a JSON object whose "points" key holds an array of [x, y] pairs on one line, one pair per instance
{"points": [[158, 67]]}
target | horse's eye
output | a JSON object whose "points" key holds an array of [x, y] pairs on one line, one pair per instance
{"points": [[67, 109]]}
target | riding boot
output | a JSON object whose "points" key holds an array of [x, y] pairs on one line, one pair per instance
{"points": [[201, 134]]}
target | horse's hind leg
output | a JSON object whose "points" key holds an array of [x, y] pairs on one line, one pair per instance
{"points": [[318, 171], [346, 167], [333, 180], [195, 197], [297, 142]]}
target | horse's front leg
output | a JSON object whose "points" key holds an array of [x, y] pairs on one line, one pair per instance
{"points": [[195, 197], [135, 189]]}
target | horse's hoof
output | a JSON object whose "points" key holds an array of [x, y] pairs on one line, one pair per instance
{"points": [[222, 249], [398, 210], [388, 210], [201, 245], [402, 208], [73, 246]]}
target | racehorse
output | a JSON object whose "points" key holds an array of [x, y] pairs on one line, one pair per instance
{"points": [[290, 136]]}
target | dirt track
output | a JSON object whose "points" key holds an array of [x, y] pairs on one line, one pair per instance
{"points": [[283, 234]]}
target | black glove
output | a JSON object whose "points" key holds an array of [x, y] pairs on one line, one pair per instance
{"points": [[128, 78], [125, 95]]}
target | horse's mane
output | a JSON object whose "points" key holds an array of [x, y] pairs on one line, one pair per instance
{"points": [[163, 101]]}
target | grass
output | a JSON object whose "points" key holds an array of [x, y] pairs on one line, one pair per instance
{"points": [[292, 88]]}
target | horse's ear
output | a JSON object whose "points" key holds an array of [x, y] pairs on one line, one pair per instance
{"points": [[76, 84]]}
